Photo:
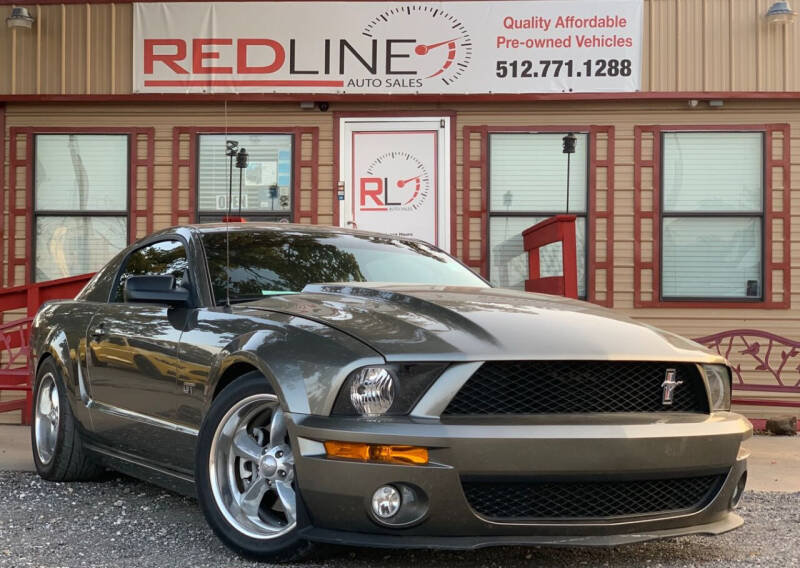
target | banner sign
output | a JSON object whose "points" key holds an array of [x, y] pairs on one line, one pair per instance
{"points": [[557, 46], [395, 182]]}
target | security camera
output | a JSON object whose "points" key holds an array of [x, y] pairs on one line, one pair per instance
{"points": [[323, 106]]}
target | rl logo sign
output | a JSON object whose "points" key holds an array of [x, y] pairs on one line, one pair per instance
{"points": [[374, 192], [393, 188], [394, 180]]}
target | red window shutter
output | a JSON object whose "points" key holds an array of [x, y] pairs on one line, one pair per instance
{"points": [[20, 206], [475, 221], [600, 232], [141, 182]]}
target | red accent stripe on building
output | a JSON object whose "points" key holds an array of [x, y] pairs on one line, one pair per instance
{"points": [[241, 83], [759, 402], [407, 98]]}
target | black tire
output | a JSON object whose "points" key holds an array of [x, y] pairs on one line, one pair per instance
{"points": [[288, 547], [69, 461]]}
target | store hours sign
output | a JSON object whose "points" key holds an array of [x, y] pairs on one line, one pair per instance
{"points": [[559, 46]]}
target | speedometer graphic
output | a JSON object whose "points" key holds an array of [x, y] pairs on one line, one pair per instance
{"points": [[406, 182], [443, 47]]}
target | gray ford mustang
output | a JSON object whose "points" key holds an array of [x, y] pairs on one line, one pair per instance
{"points": [[332, 386]]}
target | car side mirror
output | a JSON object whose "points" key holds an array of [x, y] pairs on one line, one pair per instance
{"points": [[155, 290]]}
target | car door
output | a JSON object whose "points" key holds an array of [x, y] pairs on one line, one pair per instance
{"points": [[132, 359]]}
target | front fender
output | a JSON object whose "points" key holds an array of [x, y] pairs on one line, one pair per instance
{"points": [[305, 362]]}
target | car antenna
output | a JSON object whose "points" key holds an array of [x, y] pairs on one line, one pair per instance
{"points": [[241, 165], [230, 151]]}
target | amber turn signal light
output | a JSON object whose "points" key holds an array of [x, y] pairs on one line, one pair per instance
{"points": [[408, 455]]}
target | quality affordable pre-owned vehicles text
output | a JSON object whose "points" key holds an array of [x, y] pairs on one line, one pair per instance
{"points": [[318, 385]]}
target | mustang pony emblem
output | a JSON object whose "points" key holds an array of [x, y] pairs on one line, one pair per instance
{"points": [[669, 385]]}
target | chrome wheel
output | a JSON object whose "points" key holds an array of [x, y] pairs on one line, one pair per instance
{"points": [[47, 418], [251, 468]]}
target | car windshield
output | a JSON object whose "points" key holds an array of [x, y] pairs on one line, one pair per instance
{"points": [[269, 262]]}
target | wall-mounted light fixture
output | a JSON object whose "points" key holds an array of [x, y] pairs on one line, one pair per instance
{"points": [[20, 18], [780, 13]]}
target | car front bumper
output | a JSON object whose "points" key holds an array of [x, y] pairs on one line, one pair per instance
{"points": [[337, 493]]}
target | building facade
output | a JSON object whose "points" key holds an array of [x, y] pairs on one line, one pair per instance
{"points": [[687, 217]]}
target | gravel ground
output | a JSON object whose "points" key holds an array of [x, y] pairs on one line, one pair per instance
{"points": [[125, 523]]}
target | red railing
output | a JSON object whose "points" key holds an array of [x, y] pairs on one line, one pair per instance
{"points": [[560, 228], [15, 372]]}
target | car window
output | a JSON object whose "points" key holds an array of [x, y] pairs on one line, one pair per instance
{"points": [[158, 259], [263, 263]]}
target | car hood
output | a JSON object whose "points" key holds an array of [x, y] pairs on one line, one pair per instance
{"points": [[408, 322]]}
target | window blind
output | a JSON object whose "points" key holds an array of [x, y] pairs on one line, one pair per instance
{"points": [[67, 246], [713, 171], [528, 172], [716, 254], [81, 172], [269, 164], [711, 257]]}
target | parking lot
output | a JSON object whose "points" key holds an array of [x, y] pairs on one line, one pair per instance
{"points": [[121, 522]]}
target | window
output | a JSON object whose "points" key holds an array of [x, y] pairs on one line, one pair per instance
{"points": [[81, 196], [528, 184], [712, 215], [266, 183], [164, 258]]}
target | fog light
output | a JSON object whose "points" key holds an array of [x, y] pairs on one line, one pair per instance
{"points": [[386, 502], [738, 491]]}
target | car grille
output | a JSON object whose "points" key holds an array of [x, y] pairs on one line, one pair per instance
{"points": [[566, 387], [590, 499]]}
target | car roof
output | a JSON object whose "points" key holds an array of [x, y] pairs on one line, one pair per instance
{"points": [[313, 230]]}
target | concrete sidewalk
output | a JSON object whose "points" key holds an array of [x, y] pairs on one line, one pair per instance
{"points": [[15, 448], [774, 463]]}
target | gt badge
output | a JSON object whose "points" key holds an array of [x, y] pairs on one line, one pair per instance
{"points": [[669, 385]]}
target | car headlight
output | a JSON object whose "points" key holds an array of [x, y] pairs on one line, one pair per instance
{"points": [[372, 391], [719, 386], [385, 389]]}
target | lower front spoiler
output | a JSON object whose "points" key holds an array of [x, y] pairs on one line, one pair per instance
{"points": [[730, 522]]}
